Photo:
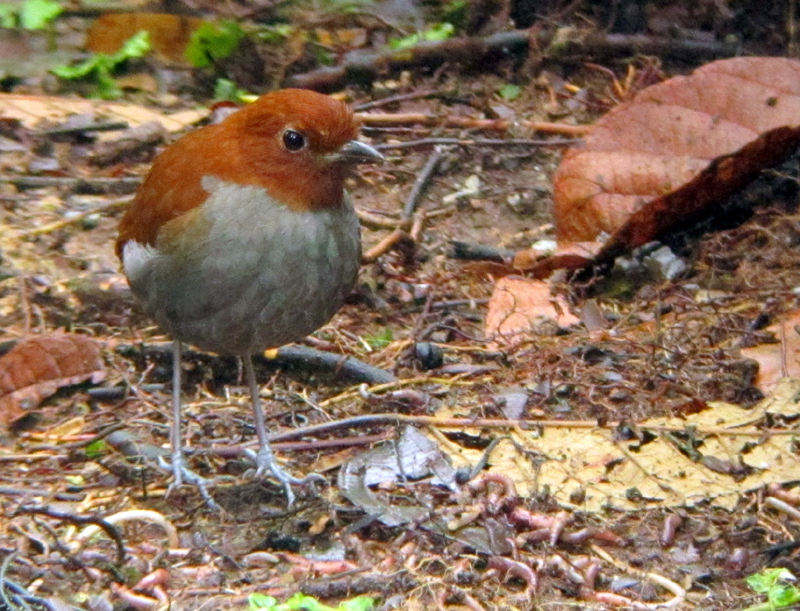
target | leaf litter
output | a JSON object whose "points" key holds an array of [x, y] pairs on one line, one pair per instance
{"points": [[624, 424]]}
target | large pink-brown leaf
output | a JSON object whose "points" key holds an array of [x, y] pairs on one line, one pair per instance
{"points": [[666, 136]]}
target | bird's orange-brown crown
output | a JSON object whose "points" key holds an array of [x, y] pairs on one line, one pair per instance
{"points": [[248, 148]]}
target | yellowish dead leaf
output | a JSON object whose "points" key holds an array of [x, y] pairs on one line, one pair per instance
{"points": [[70, 428], [30, 110], [630, 475]]}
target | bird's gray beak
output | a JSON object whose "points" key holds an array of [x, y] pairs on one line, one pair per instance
{"points": [[355, 152]]}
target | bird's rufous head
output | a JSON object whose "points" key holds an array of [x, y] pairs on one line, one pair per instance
{"points": [[296, 144]]}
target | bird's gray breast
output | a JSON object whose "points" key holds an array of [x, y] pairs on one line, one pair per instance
{"points": [[262, 275]]}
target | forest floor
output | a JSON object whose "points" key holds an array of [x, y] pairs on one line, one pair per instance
{"points": [[516, 535]]}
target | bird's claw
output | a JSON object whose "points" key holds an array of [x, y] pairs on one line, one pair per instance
{"points": [[266, 463], [182, 474]]}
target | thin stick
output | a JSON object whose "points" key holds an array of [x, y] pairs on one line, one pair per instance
{"points": [[105, 184], [361, 421], [501, 125], [416, 95], [107, 207], [422, 180], [384, 246], [476, 142]]}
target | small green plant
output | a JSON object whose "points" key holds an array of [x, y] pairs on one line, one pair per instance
{"points": [[100, 67], [8, 15], [212, 42], [30, 15], [509, 92], [96, 449], [276, 33], [226, 89], [380, 340], [301, 602], [343, 6], [38, 14], [775, 585], [438, 31]]}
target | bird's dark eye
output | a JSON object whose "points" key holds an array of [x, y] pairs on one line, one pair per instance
{"points": [[293, 140]]}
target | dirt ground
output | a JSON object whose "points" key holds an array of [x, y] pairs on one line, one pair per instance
{"points": [[487, 543]]}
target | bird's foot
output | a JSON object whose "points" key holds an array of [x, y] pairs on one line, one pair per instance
{"points": [[266, 463], [182, 474]]}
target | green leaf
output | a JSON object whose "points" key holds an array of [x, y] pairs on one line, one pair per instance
{"points": [[137, 45], [83, 69], [381, 340], [275, 34], [261, 601], [107, 88], [323, 56], [783, 596], [212, 42], [100, 67], [301, 602], [439, 31], [96, 449], [773, 584], [404, 43], [8, 16], [767, 579], [37, 14], [510, 92], [225, 89], [360, 603]]}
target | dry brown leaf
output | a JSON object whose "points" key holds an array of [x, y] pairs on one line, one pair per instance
{"points": [[666, 136], [36, 368], [723, 177], [520, 306], [349, 38], [169, 34]]}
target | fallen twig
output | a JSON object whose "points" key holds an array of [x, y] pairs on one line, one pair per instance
{"points": [[403, 97], [500, 125], [477, 142], [34, 492], [346, 367], [96, 525], [422, 180], [782, 506], [679, 594], [373, 221], [365, 67], [100, 126], [489, 423], [109, 526], [86, 185], [104, 208], [468, 251], [384, 246]]}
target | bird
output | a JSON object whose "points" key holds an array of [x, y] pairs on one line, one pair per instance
{"points": [[242, 238]]}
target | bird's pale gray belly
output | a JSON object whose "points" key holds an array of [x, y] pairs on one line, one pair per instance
{"points": [[263, 276]]}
